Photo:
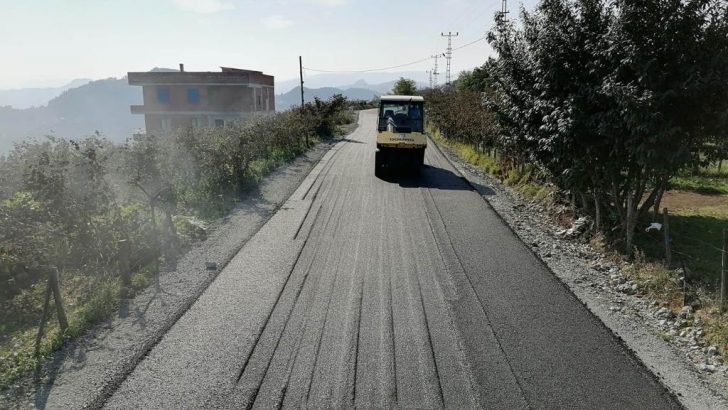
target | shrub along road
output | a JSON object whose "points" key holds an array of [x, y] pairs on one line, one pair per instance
{"points": [[371, 293]]}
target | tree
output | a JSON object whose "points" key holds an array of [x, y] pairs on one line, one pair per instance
{"points": [[612, 99], [478, 80], [404, 86]]}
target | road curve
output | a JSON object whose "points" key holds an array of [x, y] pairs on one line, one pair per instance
{"points": [[371, 293]]}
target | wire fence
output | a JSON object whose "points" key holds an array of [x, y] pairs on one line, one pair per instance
{"points": [[674, 246]]}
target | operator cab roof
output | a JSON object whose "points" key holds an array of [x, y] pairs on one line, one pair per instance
{"points": [[402, 98]]}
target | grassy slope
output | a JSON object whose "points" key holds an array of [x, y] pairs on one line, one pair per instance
{"points": [[519, 179]]}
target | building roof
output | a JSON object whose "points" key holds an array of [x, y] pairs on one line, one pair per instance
{"points": [[227, 76], [402, 98]]}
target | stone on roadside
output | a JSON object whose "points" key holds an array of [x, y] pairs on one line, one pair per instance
{"points": [[663, 313], [707, 368], [626, 288], [686, 312]]}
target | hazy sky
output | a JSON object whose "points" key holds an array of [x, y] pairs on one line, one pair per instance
{"points": [[49, 42]]}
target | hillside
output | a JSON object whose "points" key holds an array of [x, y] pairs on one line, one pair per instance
{"points": [[21, 98], [101, 105], [377, 81], [293, 97]]}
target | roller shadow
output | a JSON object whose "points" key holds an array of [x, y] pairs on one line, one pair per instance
{"points": [[429, 177]]}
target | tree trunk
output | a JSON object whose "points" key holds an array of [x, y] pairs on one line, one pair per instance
{"points": [[658, 201], [585, 202], [597, 212], [630, 222], [171, 248], [41, 325], [619, 204], [54, 281], [125, 267]]}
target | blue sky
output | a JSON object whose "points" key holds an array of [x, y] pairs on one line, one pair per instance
{"points": [[50, 42]]}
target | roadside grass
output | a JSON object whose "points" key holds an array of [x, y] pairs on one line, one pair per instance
{"points": [[87, 301], [709, 180], [656, 281], [716, 326], [521, 179]]}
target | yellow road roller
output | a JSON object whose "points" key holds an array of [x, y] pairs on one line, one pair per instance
{"points": [[401, 139]]}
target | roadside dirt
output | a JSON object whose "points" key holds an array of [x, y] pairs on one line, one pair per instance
{"points": [[684, 200], [684, 366]]}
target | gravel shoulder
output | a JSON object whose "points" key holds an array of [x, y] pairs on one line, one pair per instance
{"points": [[595, 282], [88, 369]]}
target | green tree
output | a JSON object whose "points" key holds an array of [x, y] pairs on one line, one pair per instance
{"points": [[612, 99], [404, 86], [478, 80]]}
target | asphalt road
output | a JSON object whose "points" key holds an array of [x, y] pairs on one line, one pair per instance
{"points": [[372, 293]]}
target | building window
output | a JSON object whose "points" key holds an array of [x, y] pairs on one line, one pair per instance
{"points": [[163, 95], [166, 124], [219, 123], [193, 95], [200, 122]]}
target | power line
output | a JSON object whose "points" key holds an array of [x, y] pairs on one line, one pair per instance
{"points": [[369, 69], [391, 67], [469, 44]]}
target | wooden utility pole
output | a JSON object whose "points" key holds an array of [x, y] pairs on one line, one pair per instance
{"points": [[666, 231], [300, 70]]}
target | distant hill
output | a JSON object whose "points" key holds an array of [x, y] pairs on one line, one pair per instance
{"points": [[35, 97], [378, 81], [382, 88], [293, 97], [101, 105]]}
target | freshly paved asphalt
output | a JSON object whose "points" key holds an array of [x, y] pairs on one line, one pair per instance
{"points": [[403, 293]]}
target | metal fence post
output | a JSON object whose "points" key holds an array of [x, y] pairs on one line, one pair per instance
{"points": [[666, 230], [724, 271]]}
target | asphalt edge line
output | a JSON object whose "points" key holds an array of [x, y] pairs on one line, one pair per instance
{"points": [[630, 353]]}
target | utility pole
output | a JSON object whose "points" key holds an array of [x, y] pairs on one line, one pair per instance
{"points": [[300, 70], [434, 71], [429, 72], [504, 10], [448, 54]]}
